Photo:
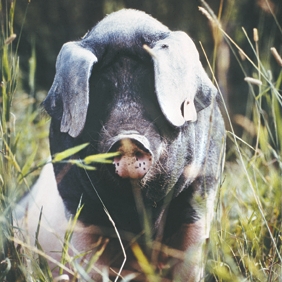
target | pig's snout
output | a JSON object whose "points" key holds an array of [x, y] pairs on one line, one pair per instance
{"points": [[134, 160]]}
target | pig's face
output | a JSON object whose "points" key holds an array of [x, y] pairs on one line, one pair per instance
{"points": [[124, 116]]}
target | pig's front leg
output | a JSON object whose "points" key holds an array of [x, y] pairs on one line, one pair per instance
{"points": [[185, 244]]}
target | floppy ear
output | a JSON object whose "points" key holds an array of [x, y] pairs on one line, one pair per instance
{"points": [[182, 86], [68, 97]]}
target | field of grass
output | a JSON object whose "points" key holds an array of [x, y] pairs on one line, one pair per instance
{"points": [[246, 238]]}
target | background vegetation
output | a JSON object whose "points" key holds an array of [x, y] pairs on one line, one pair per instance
{"points": [[245, 242]]}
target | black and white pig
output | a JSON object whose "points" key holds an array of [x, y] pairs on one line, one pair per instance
{"points": [[132, 86]]}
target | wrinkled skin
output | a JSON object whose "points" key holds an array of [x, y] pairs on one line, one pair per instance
{"points": [[171, 199]]}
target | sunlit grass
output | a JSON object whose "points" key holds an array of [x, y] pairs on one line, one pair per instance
{"points": [[246, 241]]}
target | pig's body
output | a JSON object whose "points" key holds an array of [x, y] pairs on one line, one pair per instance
{"points": [[163, 184]]}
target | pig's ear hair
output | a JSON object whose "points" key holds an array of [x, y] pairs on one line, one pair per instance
{"points": [[68, 97], [182, 86]]}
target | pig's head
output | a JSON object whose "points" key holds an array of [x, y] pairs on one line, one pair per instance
{"points": [[133, 86]]}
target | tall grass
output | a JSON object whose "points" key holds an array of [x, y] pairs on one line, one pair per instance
{"points": [[21, 133], [247, 238], [245, 243]]}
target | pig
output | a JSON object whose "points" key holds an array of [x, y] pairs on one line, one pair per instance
{"points": [[134, 87]]}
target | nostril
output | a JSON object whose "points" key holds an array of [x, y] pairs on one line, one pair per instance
{"points": [[134, 160]]}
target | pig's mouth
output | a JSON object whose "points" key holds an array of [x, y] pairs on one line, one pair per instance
{"points": [[134, 160]]}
